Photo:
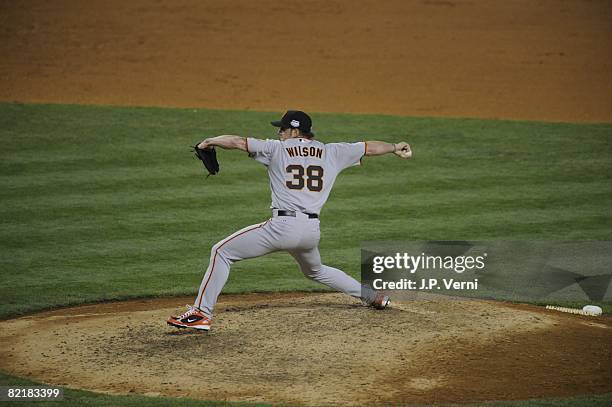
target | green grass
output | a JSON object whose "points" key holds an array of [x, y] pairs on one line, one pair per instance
{"points": [[103, 203]]}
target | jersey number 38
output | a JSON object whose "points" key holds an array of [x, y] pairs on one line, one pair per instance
{"points": [[313, 180]]}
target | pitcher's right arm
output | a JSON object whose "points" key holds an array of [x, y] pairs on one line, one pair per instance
{"points": [[401, 149]]}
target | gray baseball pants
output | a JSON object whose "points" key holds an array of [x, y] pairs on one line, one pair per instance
{"points": [[297, 235]]}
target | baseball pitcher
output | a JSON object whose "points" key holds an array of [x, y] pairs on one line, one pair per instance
{"points": [[302, 172]]}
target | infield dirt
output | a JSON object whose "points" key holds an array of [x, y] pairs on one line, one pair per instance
{"points": [[316, 349], [548, 60]]}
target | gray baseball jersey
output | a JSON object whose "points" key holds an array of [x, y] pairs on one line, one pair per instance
{"points": [[302, 172]]}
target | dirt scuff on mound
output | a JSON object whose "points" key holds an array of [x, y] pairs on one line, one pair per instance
{"points": [[316, 349]]}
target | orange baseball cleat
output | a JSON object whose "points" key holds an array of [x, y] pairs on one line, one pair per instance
{"points": [[192, 318], [381, 301]]}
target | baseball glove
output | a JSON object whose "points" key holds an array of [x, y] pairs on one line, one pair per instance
{"points": [[209, 159]]}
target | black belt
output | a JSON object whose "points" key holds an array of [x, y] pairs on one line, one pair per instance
{"points": [[282, 212]]}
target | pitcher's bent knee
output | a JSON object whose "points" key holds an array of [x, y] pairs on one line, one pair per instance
{"points": [[219, 251]]}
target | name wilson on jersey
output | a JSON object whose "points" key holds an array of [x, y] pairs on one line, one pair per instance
{"points": [[305, 152]]}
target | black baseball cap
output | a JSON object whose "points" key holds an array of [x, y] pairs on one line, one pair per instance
{"points": [[295, 119]]}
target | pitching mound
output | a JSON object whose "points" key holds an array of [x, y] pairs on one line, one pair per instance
{"points": [[316, 349]]}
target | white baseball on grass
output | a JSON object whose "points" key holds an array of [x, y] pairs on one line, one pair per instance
{"points": [[594, 309]]}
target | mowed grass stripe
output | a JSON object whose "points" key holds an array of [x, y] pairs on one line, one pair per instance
{"points": [[123, 253], [177, 214], [115, 206], [62, 181], [180, 198]]}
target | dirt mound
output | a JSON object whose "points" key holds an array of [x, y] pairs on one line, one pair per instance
{"points": [[316, 349]]}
